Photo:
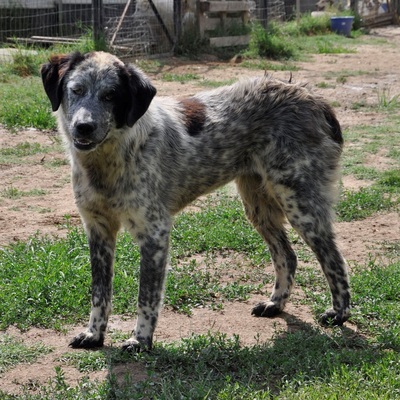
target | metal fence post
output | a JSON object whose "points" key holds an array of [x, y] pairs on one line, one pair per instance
{"points": [[98, 24]]}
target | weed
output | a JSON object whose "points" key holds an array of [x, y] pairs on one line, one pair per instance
{"points": [[86, 362], [357, 105], [362, 204], [13, 351], [24, 63], [149, 66], [268, 66], [14, 193], [22, 150], [335, 103], [386, 101], [325, 85], [24, 104], [215, 84], [181, 78], [268, 43]]}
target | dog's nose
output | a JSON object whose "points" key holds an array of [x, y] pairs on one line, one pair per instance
{"points": [[86, 128]]}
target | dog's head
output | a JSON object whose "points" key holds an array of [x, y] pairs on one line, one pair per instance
{"points": [[96, 93]]}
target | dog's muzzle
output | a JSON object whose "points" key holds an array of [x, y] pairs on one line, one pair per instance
{"points": [[84, 136]]}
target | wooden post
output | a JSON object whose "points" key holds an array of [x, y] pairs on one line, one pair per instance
{"points": [[177, 20], [59, 5], [98, 24], [121, 20], [264, 13], [201, 19]]}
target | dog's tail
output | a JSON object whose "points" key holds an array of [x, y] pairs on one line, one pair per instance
{"points": [[336, 130]]}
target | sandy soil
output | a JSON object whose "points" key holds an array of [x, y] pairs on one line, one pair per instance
{"points": [[24, 216]]}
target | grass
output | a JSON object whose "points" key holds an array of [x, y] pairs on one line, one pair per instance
{"points": [[387, 101], [51, 279], [13, 352], [363, 203], [368, 140], [180, 78], [13, 193], [309, 363], [293, 40], [208, 83], [40, 273], [24, 104], [21, 153]]}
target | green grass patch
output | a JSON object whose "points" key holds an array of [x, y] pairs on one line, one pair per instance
{"points": [[266, 65], [329, 45], [376, 302], [23, 150], [292, 40], [39, 285], [221, 226], [25, 104], [371, 139], [363, 203], [14, 193], [180, 78], [305, 364], [388, 101], [13, 352], [86, 361], [325, 85], [208, 83]]}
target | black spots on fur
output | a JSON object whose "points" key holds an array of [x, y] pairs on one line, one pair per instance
{"points": [[194, 112], [53, 74], [101, 257]]}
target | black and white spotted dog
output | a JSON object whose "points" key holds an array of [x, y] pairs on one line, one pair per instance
{"points": [[138, 159]]}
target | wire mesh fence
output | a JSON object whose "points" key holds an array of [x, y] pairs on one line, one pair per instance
{"points": [[136, 27], [132, 26]]}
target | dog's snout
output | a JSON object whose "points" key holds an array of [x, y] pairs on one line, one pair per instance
{"points": [[86, 128]]}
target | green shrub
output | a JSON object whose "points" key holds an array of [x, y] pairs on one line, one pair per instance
{"points": [[270, 43]]}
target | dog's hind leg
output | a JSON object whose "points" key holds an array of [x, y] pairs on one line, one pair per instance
{"points": [[268, 218], [308, 208], [102, 239]]}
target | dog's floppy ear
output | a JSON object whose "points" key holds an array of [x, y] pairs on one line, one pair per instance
{"points": [[53, 74], [141, 93]]}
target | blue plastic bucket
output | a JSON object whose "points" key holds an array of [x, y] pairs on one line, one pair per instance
{"points": [[342, 25]]}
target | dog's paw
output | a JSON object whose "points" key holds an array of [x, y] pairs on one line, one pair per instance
{"points": [[268, 310], [86, 340], [133, 345], [333, 318]]}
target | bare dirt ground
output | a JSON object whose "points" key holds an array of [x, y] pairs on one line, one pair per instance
{"points": [[24, 216]]}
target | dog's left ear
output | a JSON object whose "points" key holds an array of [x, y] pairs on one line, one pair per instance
{"points": [[53, 74], [141, 93]]}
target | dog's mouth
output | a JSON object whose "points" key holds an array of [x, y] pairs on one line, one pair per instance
{"points": [[84, 144]]}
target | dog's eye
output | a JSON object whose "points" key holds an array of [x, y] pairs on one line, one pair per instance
{"points": [[108, 96], [77, 90]]}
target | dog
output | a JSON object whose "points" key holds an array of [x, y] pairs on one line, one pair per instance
{"points": [[137, 160]]}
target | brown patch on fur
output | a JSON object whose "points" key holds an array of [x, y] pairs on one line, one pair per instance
{"points": [[195, 115]]}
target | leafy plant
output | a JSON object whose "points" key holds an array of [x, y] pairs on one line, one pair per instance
{"points": [[387, 101]]}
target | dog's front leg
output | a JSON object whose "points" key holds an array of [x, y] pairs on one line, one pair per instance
{"points": [[153, 267], [102, 246]]}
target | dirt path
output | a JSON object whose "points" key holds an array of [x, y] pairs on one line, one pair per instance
{"points": [[46, 200]]}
